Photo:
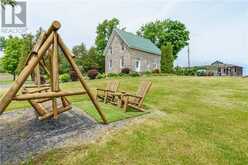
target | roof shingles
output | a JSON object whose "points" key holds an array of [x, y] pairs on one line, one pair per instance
{"points": [[137, 42]]}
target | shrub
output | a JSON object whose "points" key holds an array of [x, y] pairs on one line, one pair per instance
{"points": [[122, 74], [156, 71], [64, 77], [112, 75], [92, 73], [201, 72], [100, 76], [125, 70], [73, 75], [134, 74], [147, 73]]}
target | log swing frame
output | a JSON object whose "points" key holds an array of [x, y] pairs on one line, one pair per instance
{"points": [[47, 48]]}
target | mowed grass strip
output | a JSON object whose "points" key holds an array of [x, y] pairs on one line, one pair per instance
{"points": [[206, 122]]}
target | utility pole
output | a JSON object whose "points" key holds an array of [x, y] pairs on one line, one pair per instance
{"points": [[188, 57]]}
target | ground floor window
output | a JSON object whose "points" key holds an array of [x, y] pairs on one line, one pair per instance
{"points": [[122, 62], [155, 66]]}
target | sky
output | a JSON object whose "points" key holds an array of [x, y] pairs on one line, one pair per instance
{"points": [[218, 28]]}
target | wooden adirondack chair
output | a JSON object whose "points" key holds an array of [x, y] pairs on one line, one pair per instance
{"points": [[136, 101], [107, 94]]}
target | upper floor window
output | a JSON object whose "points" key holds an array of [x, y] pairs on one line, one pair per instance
{"points": [[122, 46], [110, 64], [110, 49]]}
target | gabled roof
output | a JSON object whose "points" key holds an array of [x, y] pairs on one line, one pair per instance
{"points": [[137, 42], [217, 63], [221, 64]]}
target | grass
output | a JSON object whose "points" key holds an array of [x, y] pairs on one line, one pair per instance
{"points": [[111, 112], [5, 78], [206, 122]]}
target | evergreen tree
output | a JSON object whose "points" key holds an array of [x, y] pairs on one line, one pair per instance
{"points": [[167, 58]]}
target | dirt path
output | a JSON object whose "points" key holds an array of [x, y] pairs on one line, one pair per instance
{"points": [[23, 136]]}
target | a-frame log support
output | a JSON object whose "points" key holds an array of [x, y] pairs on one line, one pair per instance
{"points": [[47, 46]]}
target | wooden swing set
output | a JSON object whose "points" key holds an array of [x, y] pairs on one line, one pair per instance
{"points": [[46, 49]]}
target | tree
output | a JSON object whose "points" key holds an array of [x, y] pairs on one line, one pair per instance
{"points": [[7, 2], [12, 51], [2, 43], [104, 30], [167, 58], [80, 52], [26, 47], [1, 66], [162, 32], [91, 62]]}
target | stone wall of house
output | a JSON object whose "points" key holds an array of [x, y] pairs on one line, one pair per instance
{"points": [[148, 61], [119, 50]]}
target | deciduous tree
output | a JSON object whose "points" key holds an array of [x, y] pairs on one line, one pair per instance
{"points": [[7, 2], [26, 47], [104, 30], [12, 52], [163, 32]]}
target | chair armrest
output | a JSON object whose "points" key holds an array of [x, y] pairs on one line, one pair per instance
{"points": [[99, 89], [131, 95]]}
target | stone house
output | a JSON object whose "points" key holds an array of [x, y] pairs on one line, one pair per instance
{"points": [[126, 50]]}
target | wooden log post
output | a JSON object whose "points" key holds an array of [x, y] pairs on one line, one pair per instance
{"points": [[39, 42], [37, 46], [55, 74], [38, 107], [50, 114], [64, 100], [37, 75], [54, 27], [7, 97], [68, 54]]}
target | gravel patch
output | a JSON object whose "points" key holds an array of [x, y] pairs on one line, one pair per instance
{"points": [[23, 136]]}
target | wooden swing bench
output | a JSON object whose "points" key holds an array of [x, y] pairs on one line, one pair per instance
{"points": [[46, 49]]}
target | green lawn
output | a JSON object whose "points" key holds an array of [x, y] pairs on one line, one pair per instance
{"points": [[206, 122], [111, 112]]}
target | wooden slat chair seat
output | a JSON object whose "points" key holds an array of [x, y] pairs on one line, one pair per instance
{"points": [[136, 100], [107, 94]]}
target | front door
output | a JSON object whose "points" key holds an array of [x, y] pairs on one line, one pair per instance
{"points": [[137, 65]]}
